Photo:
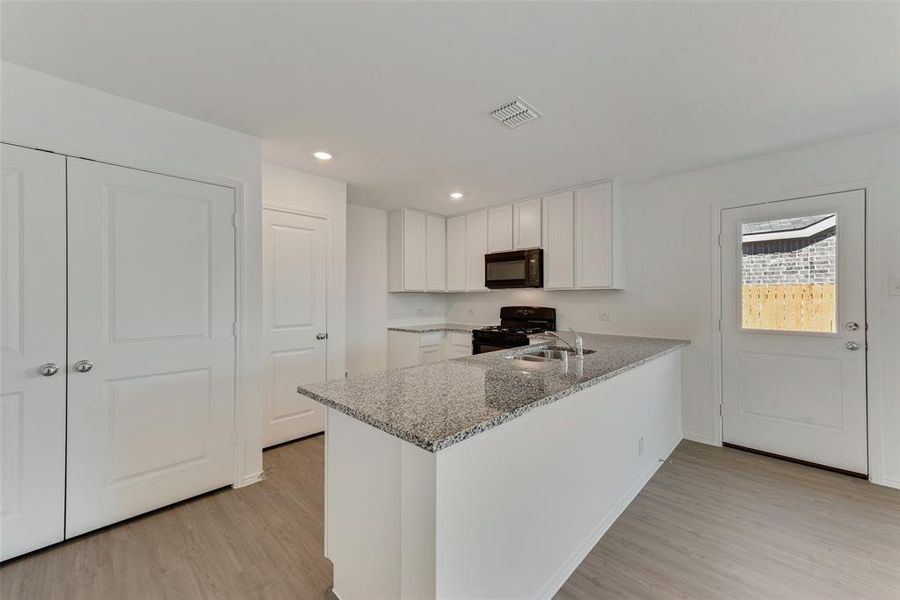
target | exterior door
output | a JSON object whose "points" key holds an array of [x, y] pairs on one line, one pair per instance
{"points": [[295, 259], [794, 329], [151, 349], [32, 334]]}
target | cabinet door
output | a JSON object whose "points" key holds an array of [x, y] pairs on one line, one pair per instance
{"points": [[593, 236], [429, 354], [527, 224], [476, 248], [500, 228], [559, 243], [436, 254], [32, 333], [456, 254], [414, 252], [151, 303]]}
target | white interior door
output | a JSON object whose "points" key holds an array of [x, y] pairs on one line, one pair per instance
{"points": [[152, 307], [794, 329], [32, 333], [295, 262]]}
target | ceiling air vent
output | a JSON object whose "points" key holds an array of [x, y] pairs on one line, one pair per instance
{"points": [[514, 113]]}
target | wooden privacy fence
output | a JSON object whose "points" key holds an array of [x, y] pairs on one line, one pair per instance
{"points": [[792, 307]]}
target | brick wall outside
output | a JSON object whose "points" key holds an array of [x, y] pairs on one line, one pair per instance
{"points": [[801, 260]]}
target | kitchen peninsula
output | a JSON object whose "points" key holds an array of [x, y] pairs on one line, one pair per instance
{"points": [[492, 475]]}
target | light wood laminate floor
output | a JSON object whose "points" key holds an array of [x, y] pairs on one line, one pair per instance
{"points": [[713, 523]]}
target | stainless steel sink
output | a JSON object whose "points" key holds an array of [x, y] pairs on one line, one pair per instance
{"points": [[548, 353]]}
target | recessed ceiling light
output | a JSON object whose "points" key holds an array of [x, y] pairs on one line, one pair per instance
{"points": [[322, 155], [456, 195]]}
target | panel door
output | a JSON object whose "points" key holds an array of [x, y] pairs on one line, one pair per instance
{"points": [[436, 255], [559, 250], [32, 333], [593, 236], [295, 259], [151, 348], [794, 329], [456, 254], [476, 248], [414, 252], [500, 228], [527, 224]]}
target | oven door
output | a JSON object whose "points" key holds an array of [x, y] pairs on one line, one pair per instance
{"points": [[517, 269]]}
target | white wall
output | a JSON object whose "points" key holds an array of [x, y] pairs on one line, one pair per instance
{"points": [[370, 308], [311, 194], [669, 271], [41, 111]]}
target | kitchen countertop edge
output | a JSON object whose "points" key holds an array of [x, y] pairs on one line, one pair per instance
{"points": [[455, 438]]}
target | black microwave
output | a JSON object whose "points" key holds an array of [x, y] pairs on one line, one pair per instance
{"points": [[516, 269]]}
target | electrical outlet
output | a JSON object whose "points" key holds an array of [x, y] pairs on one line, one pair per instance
{"points": [[604, 316], [641, 446], [894, 286]]}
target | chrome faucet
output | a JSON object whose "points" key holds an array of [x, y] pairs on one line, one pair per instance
{"points": [[579, 343]]}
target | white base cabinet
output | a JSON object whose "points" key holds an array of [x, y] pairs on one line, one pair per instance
{"points": [[409, 348]]}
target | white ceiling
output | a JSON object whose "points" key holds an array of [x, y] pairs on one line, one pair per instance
{"points": [[397, 91]]}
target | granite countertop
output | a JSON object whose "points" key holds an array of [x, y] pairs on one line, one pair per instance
{"points": [[440, 404], [458, 327]]}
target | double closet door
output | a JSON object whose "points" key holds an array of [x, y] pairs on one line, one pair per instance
{"points": [[117, 340]]}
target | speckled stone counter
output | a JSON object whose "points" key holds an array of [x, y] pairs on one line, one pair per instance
{"points": [[437, 405], [457, 327]]}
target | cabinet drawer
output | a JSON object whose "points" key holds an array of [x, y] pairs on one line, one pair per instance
{"points": [[431, 338]]}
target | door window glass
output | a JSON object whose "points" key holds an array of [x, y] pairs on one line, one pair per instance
{"points": [[789, 274]]}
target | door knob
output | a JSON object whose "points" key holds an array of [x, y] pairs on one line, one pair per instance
{"points": [[321, 336], [852, 325], [48, 369], [83, 366], [852, 346]]}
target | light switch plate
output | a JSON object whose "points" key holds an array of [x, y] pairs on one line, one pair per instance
{"points": [[894, 286]]}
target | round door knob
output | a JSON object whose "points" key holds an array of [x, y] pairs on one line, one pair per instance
{"points": [[83, 366], [48, 369], [852, 346], [321, 336]]}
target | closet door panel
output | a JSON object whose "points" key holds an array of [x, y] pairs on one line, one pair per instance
{"points": [[152, 307], [32, 333]]}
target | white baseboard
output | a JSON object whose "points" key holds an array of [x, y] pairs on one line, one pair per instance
{"points": [[568, 567], [889, 482], [248, 480], [701, 439]]}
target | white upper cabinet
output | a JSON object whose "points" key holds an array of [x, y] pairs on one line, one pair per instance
{"points": [[582, 238], [456, 254], [436, 253], [580, 231], [476, 248], [407, 265], [594, 236], [500, 228], [559, 240], [527, 224]]}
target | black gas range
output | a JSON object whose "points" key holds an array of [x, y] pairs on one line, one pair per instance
{"points": [[516, 324]]}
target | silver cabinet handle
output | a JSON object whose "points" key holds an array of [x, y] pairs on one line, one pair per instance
{"points": [[852, 346], [321, 336], [48, 369], [83, 366]]}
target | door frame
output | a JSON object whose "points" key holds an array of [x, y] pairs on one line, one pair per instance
{"points": [[873, 306], [330, 366], [246, 390]]}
